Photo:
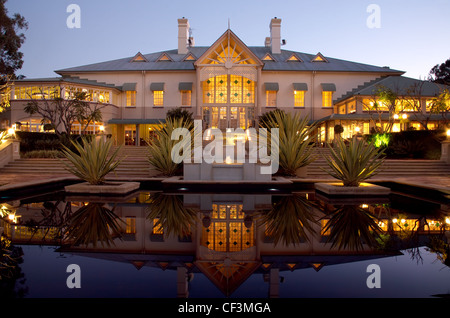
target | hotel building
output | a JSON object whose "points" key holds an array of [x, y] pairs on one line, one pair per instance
{"points": [[228, 85]]}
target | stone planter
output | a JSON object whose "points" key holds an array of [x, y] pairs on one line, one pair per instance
{"points": [[364, 189], [110, 187]]}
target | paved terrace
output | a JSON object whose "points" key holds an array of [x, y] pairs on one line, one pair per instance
{"points": [[426, 174]]}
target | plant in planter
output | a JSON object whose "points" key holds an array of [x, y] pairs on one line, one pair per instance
{"points": [[355, 162], [295, 134], [160, 148], [92, 159]]}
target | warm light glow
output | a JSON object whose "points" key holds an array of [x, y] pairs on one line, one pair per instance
{"points": [[357, 129], [102, 128], [448, 133], [447, 220], [396, 116], [404, 116], [11, 131], [394, 220]]}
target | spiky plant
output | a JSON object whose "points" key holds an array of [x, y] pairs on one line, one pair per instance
{"points": [[91, 160], [92, 224], [355, 162], [290, 220], [160, 148], [295, 134], [171, 214], [351, 226]]}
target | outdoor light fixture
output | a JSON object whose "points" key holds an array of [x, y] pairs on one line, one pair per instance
{"points": [[102, 128], [404, 116], [448, 133], [11, 131], [395, 116]]}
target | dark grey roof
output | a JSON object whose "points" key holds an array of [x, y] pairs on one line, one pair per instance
{"points": [[401, 85], [281, 63]]}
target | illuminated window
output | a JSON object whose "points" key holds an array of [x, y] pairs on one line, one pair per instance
{"points": [[299, 98], [130, 225], [293, 58], [158, 98], [271, 98], [131, 98], [327, 99], [186, 97], [268, 57], [233, 89]]}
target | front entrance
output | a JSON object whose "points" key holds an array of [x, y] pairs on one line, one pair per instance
{"points": [[223, 117]]}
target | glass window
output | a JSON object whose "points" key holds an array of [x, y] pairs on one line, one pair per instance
{"points": [[299, 98], [271, 98], [186, 97], [327, 99], [158, 98], [131, 98]]}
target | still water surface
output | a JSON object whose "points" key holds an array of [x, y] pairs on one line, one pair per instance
{"points": [[156, 245]]}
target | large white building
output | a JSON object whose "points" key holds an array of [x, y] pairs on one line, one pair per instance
{"points": [[226, 84]]}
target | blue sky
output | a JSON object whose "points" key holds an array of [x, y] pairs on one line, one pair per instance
{"points": [[412, 37]]}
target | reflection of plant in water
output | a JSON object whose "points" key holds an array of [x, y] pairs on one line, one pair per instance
{"points": [[10, 272], [290, 220], [352, 226], [440, 248], [92, 223], [171, 214]]}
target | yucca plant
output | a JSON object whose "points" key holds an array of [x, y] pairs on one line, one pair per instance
{"points": [[91, 160], [290, 220], [351, 226], [295, 135], [160, 148], [92, 224], [355, 162], [171, 214]]}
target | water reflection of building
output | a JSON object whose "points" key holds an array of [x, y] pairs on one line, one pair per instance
{"points": [[225, 237]]}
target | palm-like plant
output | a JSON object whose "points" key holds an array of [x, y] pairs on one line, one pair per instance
{"points": [[160, 148], [92, 223], [351, 226], [290, 220], [295, 134], [171, 214], [92, 159], [355, 162]]}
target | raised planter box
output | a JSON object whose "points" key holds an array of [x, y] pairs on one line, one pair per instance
{"points": [[364, 189], [110, 187]]}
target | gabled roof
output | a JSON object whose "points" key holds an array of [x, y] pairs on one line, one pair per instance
{"points": [[401, 85], [149, 62]]}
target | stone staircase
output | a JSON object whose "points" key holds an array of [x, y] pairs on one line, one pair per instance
{"points": [[135, 165], [391, 167]]}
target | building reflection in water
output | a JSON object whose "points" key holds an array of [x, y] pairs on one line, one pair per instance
{"points": [[227, 237]]}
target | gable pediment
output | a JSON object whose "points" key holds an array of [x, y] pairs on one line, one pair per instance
{"points": [[228, 51]]}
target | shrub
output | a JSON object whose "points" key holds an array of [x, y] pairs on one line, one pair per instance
{"points": [[92, 160], [160, 149], [43, 154], [355, 162], [294, 147]]}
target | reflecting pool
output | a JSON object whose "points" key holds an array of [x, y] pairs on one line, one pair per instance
{"points": [[152, 244]]}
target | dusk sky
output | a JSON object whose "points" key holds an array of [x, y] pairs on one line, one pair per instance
{"points": [[411, 36]]}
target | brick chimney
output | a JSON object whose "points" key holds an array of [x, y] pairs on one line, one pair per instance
{"points": [[183, 35], [275, 35]]}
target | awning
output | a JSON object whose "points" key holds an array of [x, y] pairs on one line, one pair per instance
{"points": [[135, 121], [271, 86], [328, 87], [300, 86], [129, 87], [156, 87], [185, 86]]}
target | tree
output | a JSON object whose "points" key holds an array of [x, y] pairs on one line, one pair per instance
{"points": [[10, 42], [440, 73], [383, 100], [10, 57], [61, 112]]}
